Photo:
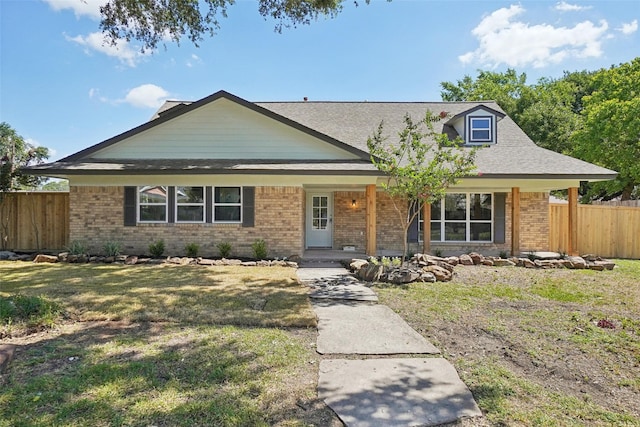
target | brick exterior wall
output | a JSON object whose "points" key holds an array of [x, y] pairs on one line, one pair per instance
{"points": [[349, 223], [534, 222], [96, 216]]}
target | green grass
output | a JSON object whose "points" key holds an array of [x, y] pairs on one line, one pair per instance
{"points": [[27, 311], [161, 345], [527, 341]]}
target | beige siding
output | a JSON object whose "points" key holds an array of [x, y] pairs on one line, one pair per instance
{"points": [[223, 130]]}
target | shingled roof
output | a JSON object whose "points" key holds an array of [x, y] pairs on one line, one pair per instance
{"points": [[514, 155]]}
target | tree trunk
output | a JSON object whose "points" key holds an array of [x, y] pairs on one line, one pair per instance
{"points": [[626, 192]]}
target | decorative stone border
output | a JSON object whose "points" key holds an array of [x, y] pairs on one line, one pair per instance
{"points": [[428, 268]]}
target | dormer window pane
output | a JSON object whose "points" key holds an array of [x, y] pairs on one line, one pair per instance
{"points": [[480, 129]]}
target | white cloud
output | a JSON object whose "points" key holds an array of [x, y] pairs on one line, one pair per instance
{"points": [[90, 8], [629, 28], [146, 96], [121, 50], [505, 40], [195, 59], [563, 6], [94, 93]]}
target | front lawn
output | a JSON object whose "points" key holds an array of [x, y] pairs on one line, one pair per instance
{"points": [[534, 346], [163, 345]]}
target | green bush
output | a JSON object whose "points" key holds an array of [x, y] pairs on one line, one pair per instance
{"points": [[224, 248], [28, 309], [259, 248], [192, 249], [112, 248], [77, 248], [156, 249]]}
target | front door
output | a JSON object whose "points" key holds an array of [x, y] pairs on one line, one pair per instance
{"points": [[319, 220]]}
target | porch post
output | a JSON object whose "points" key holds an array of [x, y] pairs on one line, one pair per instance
{"points": [[573, 221], [371, 219], [515, 221], [426, 228]]}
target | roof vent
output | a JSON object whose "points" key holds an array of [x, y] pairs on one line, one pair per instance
{"points": [[305, 99]]}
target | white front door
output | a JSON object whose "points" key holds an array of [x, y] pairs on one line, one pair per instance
{"points": [[319, 233]]}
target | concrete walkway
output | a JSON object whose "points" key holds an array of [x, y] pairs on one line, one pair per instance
{"points": [[369, 391]]}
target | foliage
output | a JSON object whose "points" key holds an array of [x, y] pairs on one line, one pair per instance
{"points": [[16, 153], [77, 248], [610, 136], [156, 249], [419, 171], [192, 249], [32, 310], [224, 249], [57, 185], [112, 248], [259, 248], [153, 22]]}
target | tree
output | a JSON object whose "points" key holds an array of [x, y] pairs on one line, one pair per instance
{"points": [[16, 153], [419, 171], [154, 21], [610, 136]]}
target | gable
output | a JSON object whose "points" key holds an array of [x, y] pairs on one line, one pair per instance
{"points": [[477, 126], [223, 129]]}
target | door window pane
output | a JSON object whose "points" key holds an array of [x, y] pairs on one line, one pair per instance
{"points": [[320, 212]]}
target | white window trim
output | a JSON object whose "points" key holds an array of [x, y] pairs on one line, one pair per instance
{"points": [[214, 204], [468, 221], [139, 204], [471, 139], [203, 204]]}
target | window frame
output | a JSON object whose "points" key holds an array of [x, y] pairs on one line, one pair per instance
{"points": [[472, 128], [139, 204], [203, 204], [468, 221], [214, 204]]}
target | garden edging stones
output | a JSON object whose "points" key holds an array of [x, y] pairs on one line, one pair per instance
{"points": [[429, 268]]}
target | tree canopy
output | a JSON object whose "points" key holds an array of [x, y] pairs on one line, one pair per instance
{"points": [[16, 153], [154, 21], [419, 167]]}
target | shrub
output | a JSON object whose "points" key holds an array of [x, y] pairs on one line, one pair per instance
{"points": [[77, 248], [112, 248], [437, 252], [503, 254], [29, 309], [396, 261], [192, 249], [224, 248], [259, 248], [156, 249]]}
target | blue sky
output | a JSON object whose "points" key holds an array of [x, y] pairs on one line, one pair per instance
{"points": [[61, 88]]}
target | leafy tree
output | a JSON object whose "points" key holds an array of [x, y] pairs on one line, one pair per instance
{"points": [[55, 185], [153, 21], [16, 153], [419, 167], [610, 136]]}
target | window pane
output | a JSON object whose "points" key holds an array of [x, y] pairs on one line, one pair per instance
{"points": [[153, 194], [190, 213], [153, 213], [227, 213], [435, 210], [480, 123], [190, 194], [227, 194], [435, 231], [455, 231], [480, 135], [480, 231], [480, 206], [455, 206]]}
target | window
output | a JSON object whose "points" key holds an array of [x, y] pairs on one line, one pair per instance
{"points": [[190, 204], [463, 217], [227, 204], [480, 129], [152, 204]]}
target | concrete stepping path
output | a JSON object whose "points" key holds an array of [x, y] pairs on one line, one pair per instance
{"points": [[395, 392], [368, 392], [367, 329]]}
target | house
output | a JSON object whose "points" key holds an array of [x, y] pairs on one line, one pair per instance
{"points": [[298, 175]]}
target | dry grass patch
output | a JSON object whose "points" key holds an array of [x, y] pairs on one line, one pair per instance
{"points": [[528, 344]]}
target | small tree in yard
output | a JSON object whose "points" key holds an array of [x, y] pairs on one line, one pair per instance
{"points": [[420, 166]]}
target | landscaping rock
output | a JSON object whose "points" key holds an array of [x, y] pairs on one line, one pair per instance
{"points": [[428, 277], [5, 255], [452, 260], [249, 264], [487, 262], [205, 261], [608, 265], [578, 262], [402, 275], [357, 264], [131, 260], [527, 263], [371, 273], [476, 258], [110, 259], [465, 260], [62, 256], [503, 263], [446, 266], [45, 258], [294, 258]]}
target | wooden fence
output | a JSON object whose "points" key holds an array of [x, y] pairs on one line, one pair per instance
{"points": [[608, 231], [31, 221]]}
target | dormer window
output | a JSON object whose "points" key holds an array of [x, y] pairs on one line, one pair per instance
{"points": [[480, 129]]}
